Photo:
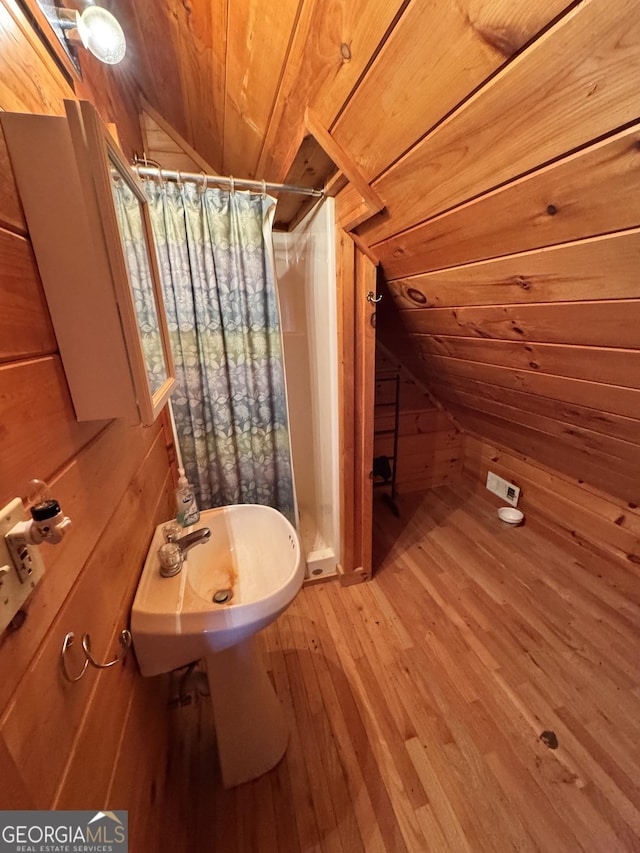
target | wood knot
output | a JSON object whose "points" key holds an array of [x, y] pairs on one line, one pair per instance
{"points": [[549, 739], [416, 296], [518, 330], [345, 52], [505, 41], [534, 365], [619, 520], [552, 210]]}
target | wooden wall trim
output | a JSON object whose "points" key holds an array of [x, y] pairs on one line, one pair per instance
{"points": [[345, 301], [174, 139], [364, 396], [344, 162]]}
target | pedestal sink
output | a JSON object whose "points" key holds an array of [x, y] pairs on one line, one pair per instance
{"points": [[230, 588]]}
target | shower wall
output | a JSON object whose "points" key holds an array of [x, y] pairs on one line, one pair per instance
{"points": [[305, 268]]}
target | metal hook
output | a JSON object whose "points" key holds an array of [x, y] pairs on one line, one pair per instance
{"points": [[66, 644], [125, 641], [372, 298]]}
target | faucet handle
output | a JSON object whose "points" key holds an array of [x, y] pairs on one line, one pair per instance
{"points": [[172, 531], [170, 557]]}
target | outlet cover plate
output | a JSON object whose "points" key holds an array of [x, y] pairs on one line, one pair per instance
{"points": [[503, 488], [13, 593]]}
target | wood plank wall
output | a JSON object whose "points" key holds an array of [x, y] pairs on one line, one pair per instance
{"points": [[592, 518], [98, 743], [503, 138], [430, 450], [512, 273]]}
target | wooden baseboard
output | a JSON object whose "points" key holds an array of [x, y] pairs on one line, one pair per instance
{"points": [[320, 579], [358, 575]]}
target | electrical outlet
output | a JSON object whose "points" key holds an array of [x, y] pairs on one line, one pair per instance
{"points": [[21, 570], [503, 488]]}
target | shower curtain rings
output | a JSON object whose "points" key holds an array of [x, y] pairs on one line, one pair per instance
{"points": [[264, 189], [232, 184], [204, 182]]}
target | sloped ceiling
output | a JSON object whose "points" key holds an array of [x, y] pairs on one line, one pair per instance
{"points": [[503, 138]]}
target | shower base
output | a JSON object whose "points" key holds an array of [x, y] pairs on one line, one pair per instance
{"points": [[320, 558]]}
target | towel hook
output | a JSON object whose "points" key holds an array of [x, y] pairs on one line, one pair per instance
{"points": [[125, 641], [66, 645], [372, 298]]}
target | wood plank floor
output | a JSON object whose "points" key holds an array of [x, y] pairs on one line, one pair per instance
{"points": [[417, 702]]}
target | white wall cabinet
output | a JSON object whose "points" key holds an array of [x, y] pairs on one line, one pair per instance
{"points": [[90, 229]]}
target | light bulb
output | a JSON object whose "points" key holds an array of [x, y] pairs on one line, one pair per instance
{"points": [[37, 493], [101, 34]]}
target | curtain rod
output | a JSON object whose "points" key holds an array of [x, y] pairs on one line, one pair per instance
{"points": [[204, 180]]}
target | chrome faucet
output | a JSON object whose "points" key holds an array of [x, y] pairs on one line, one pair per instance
{"points": [[197, 537], [173, 553]]}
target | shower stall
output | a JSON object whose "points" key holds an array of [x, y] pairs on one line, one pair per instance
{"points": [[305, 269]]}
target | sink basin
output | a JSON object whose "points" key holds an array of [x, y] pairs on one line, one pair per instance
{"points": [[253, 555], [230, 587]]}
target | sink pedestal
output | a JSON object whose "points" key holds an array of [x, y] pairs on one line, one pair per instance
{"points": [[251, 728]]}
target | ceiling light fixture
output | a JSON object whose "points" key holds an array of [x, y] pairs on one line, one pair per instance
{"points": [[97, 30], [101, 34]]}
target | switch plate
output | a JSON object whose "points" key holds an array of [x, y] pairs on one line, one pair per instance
{"points": [[503, 488], [14, 591]]}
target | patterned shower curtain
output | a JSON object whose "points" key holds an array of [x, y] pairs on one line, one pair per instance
{"points": [[222, 311]]}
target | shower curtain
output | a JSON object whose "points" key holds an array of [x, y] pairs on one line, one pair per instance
{"points": [[222, 311]]}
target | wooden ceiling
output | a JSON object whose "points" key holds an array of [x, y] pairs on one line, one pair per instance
{"points": [[502, 138]]}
